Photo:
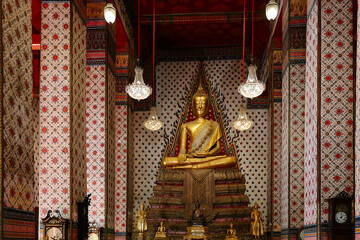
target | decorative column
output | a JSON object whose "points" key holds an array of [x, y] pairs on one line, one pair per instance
{"points": [[121, 134], [275, 145], [100, 116], [17, 164], [329, 93], [293, 100], [357, 135], [62, 165]]}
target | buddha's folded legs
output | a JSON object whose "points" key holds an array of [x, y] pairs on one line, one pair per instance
{"points": [[214, 163]]}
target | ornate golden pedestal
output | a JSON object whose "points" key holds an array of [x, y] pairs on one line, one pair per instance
{"points": [[197, 232], [220, 193]]}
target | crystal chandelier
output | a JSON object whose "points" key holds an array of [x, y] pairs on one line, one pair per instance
{"points": [[109, 13], [272, 9], [138, 89], [153, 123], [252, 87], [243, 123]]}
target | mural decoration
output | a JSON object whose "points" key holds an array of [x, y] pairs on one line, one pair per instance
{"points": [[18, 115]]}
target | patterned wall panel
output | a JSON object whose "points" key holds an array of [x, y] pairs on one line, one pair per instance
{"points": [[121, 164], [357, 136], [78, 124], [336, 100], [95, 141], [110, 154], [36, 132], [310, 149], [18, 117], [285, 152], [54, 109], [62, 110], [296, 147], [277, 138], [224, 76]]}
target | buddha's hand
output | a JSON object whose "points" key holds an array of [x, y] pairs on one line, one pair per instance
{"points": [[200, 155], [182, 158]]}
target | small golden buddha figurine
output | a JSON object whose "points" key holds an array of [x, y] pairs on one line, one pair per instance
{"points": [[256, 223], [204, 137], [161, 232], [231, 233], [141, 225]]}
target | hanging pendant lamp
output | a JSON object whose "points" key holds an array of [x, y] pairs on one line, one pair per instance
{"points": [[252, 87], [153, 123], [110, 13], [243, 123], [271, 10], [138, 89]]}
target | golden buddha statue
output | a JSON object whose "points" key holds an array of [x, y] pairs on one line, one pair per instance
{"points": [[231, 233], [256, 223], [204, 137], [161, 232], [141, 225]]}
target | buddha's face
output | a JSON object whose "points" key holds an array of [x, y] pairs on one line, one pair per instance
{"points": [[201, 106]]}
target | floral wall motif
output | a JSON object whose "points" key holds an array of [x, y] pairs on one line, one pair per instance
{"points": [[310, 150], [54, 109], [335, 116], [121, 165], [357, 137], [224, 76], [62, 110], [277, 138], [336, 101], [18, 115], [78, 107], [95, 141]]}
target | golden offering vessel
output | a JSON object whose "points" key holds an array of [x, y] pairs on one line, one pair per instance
{"points": [[231, 233], [205, 135]]}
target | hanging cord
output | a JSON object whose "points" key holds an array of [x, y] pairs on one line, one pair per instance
{"points": [[252, 31], [243, 72], [153, 73], [138, 29]]}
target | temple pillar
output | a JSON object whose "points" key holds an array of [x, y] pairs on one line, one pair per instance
{"points": [[357, 134], [62, 180], [100, 116], [121, 134], [293, 100], [274, 147], [329, 95], [18, 198]]}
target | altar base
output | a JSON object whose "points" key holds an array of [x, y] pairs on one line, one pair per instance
{"points": [[220, 193], [197, 232]]}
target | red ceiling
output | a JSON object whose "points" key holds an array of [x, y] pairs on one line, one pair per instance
{"points": [[201, 23]]}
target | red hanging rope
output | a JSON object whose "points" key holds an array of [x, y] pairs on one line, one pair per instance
{"points": [[139, 29], [252, 31], [153, 51], [243, 72]]}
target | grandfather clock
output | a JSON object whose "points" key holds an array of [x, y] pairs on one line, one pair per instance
{"points": [[341, 222]]}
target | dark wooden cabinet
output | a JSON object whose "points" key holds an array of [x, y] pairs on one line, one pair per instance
{"points": [[341, 220]]}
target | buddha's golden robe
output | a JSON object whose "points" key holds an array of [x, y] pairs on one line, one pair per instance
{"points": [[204, 147]]}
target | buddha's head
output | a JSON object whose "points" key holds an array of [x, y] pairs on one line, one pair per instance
{"points": [[256, 206], [142, 207], [200, 102]]}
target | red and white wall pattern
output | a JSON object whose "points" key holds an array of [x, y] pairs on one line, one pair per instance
{"points": [[334, 120], [62, 110]]}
